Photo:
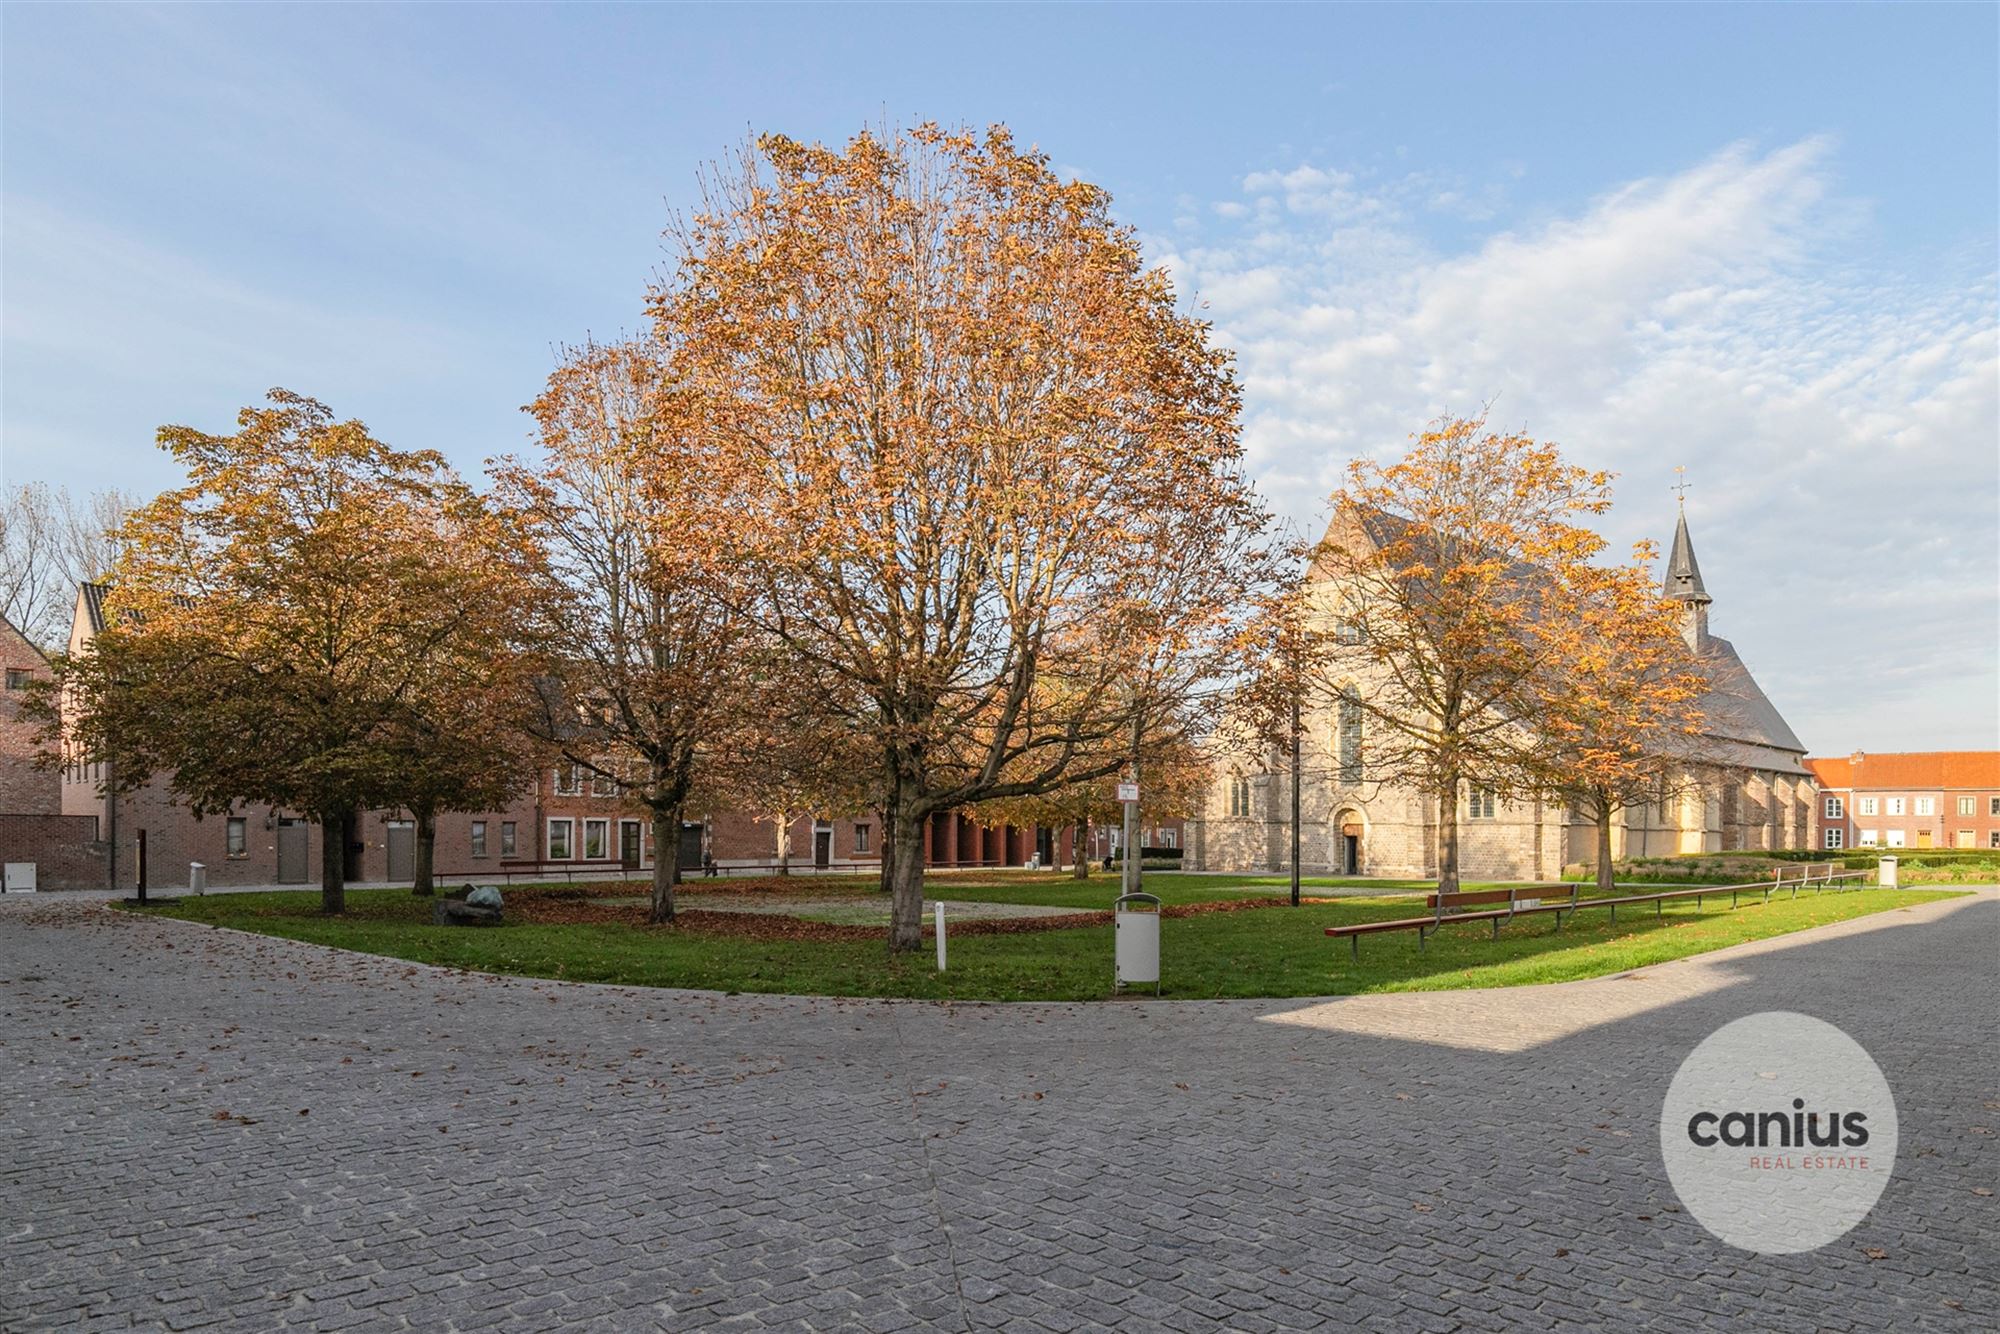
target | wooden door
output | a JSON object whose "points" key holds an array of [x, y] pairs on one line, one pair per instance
{"points": [[402, 851], [292, 842], [628, 844]]}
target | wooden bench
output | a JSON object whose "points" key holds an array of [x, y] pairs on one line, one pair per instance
{"points": [[1518, 900]]}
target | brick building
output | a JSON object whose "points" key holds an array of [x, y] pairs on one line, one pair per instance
{"points": [[1749, 789], [567, 821], [24, 788], [1934, 799]]}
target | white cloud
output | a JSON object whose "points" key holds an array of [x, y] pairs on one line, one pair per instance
{"points": [[1839, 426]]}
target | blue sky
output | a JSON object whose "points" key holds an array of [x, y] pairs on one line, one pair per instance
{"points": [[1759, 241]]}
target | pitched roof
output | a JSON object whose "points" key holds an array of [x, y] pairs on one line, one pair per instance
{"points": [[1738, 709], [1683, 579], [9, 627], [93, 604], [1911, 769]]}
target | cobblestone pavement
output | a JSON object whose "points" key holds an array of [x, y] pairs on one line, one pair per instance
{"points": [[204, 1128]]}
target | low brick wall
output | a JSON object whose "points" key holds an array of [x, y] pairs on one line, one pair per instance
{"points": [[64, 848]]}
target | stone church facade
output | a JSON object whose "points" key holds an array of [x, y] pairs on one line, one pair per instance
{"points": [[1749, 790]]}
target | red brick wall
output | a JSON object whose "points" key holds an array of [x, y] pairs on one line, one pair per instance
{"points": [[24, 789], [64, 849]]}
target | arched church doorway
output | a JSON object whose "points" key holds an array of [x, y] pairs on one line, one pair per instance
{"points": [[1347, 842]]}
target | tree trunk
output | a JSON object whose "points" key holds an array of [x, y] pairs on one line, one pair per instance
{"points": [[666, 862], [784, 844], [333, 864], [889, 850], [1604, 845], [426, 858], [906, 908], [1448, 837], [1077, 853]]}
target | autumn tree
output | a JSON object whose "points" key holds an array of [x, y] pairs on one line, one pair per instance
{"points": [[634, 609], [793, 749], [1284, 646], [272, 622], [1175, 774], [51, 541], [1454, 572], [973, 445], [1621, 696]]}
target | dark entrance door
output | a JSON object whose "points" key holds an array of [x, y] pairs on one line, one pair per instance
{"points": [[292, 836], [628, 845], [1350, 854], [402, 851], [822, 848], [690, 858]]}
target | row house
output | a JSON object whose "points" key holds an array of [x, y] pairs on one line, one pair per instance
{"points": [[1933, 799]]}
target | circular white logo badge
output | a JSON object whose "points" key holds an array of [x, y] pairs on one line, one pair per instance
{"points": [[1779, 1133]]}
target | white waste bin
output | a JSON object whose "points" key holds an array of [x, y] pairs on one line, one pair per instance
{"points": [[1885, 872], [1136, 941], [197, 878]]}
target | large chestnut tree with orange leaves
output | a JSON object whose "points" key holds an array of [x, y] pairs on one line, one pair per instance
{"points": [[975, 450]]}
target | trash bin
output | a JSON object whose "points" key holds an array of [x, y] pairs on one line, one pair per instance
{"points": [[1885, 873], [1136, 941], [197, 878]]}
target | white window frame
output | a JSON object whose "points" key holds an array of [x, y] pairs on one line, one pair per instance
{"points": [[236, 831], [569, 780], [509, 838], [1870, 806], [603, 831], [1925, 806], [1835, 837], [1480, 804], [1835, 809], [1968, 805], [568, 850], [1167, 838], [476, 837], [861, 832], [1896, 806], [1893, 838], [1993, 838]]}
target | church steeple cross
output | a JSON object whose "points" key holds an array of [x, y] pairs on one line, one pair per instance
{"points": [[1680, 488]]}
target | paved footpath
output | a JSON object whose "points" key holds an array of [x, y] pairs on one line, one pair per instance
{"points": [[199, 1128]]}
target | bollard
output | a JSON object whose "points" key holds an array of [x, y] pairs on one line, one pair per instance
{"points": [[939, 913]]}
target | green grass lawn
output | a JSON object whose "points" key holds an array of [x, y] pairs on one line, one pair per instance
{"points": [[1277, 951]]}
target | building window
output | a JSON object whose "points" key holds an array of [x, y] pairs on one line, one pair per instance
{"points": [[1869, 805], [1239, 796], [603, 785], [1871, 837], [1834, 837], [1993, 805], [1835, 810], [1926, 806], [569, 780], [559, 844], [1167, 838], [506, 838], [1481, 805], [1350, 738], [596, 839], [1895, 806], [18, 678], [1993, 839], [1894, 838], [237, 837], [1967, 806], [479, 838], [861, 838]]}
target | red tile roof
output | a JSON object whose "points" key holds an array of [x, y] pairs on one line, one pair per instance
{"points": [[1911, 771]]}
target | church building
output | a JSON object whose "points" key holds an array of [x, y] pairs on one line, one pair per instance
{"points": [[1749, 789]]}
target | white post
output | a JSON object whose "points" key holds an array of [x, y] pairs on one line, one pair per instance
{"points": [[939, 910]]}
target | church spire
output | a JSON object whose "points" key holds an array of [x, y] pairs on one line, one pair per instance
{"points": [[1683, 575], [1684, 585]]}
